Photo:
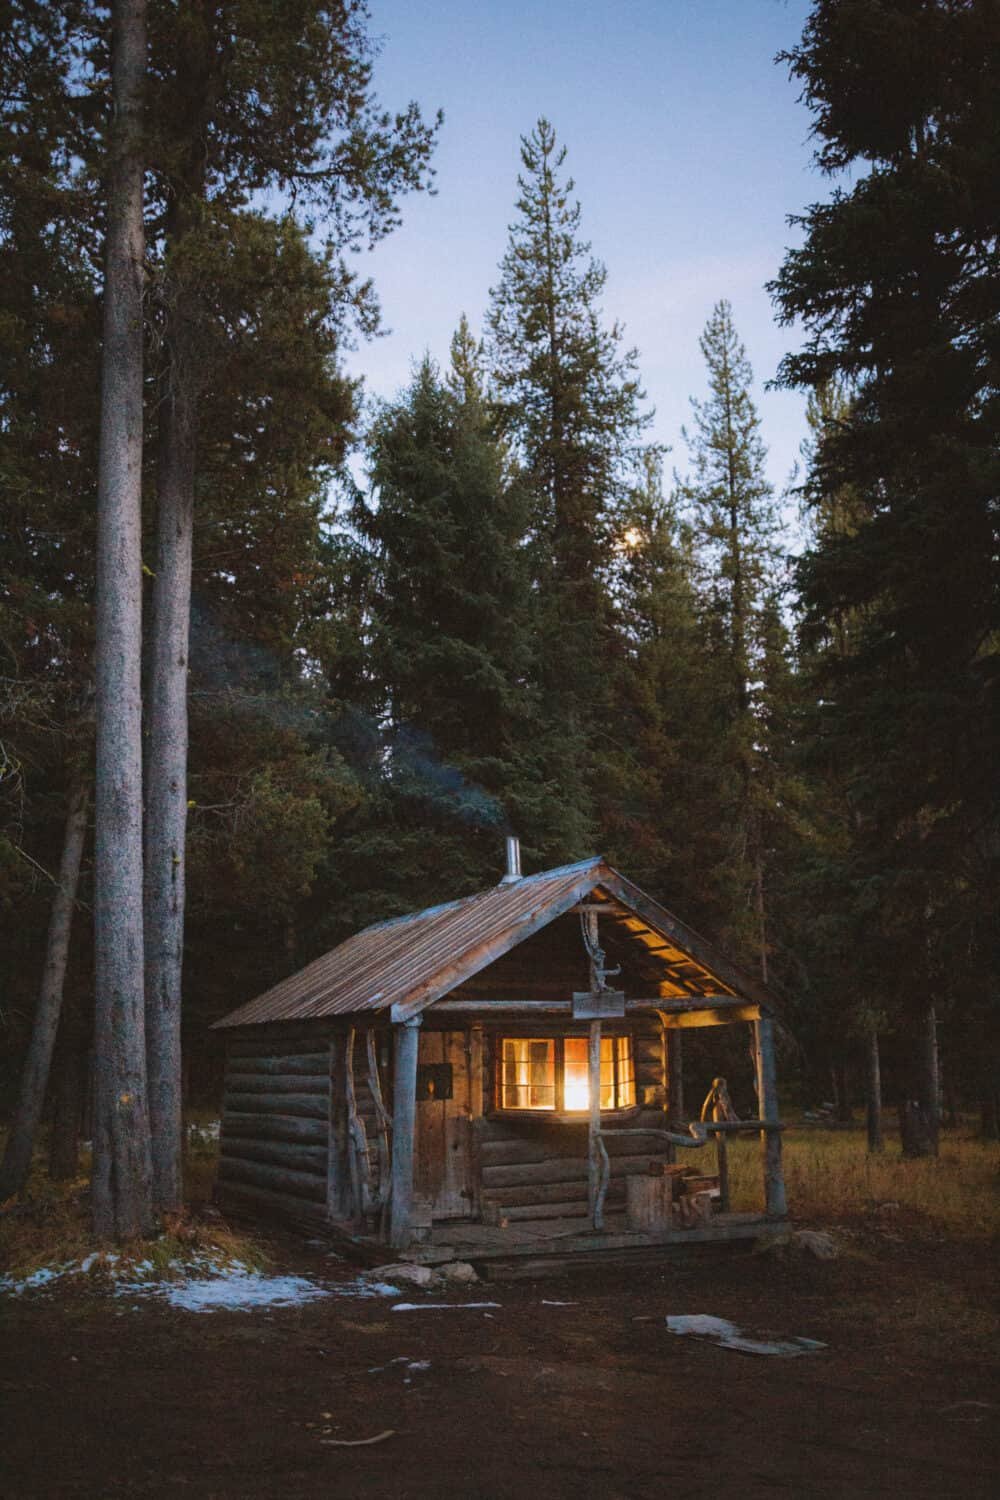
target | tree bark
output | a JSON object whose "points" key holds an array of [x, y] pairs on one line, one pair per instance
{"points": [[166, 764], [64, 1145], [873, 1093], [915, 1130], [122, 1202], [34, 1079], [933, 1079], [842, 1092]]}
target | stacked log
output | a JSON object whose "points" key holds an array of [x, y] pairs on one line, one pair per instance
{"points": [[537, 1171], [275, 1121]]}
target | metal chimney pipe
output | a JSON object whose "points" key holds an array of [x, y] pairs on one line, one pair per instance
{"points": [[513, 861]]}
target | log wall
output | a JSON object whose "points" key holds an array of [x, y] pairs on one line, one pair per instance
{"points": [[275, 1124], [285, 1142]]}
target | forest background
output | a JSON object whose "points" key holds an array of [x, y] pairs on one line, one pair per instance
{"points": [[492, 603]]}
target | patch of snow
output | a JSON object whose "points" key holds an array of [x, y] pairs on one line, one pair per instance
{"points": [[436, 1306], [240, 1291], [198, 1281], [720, 1331]]}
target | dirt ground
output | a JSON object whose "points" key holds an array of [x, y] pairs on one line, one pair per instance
{"points": [[593, 1399]]}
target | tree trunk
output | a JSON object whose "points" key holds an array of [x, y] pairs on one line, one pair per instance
{"points": [[841, 1092], [166, 765], [933, 1079], [64, 1145], [873, 1093], [34, 1079], [915, 1130], [122, 1201]]}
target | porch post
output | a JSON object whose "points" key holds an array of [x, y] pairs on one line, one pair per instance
{"points": [[595, 1146], [775, 1205], [404, 1121]]}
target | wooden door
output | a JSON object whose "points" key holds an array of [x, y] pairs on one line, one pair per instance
{"points": [[442, 1171]]}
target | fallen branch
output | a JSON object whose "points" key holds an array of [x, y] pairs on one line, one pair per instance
{"points": [[379, 1437]]}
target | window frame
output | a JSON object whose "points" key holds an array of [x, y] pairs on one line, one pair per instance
{"points": [[559, 1114]]}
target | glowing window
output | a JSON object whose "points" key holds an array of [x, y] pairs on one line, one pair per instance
{"points": [[552, 1073]]}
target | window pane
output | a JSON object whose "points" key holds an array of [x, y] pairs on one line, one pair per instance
{"points": [[625, 1070], [528, 1073], [528, 1077], [576, 1084], [608, 1044]]}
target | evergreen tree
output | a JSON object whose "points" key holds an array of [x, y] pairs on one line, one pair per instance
{"points": [[245, 99], [734, 525], [898, 286], [659, 771], [569, 399], [247, 324], [448, 637]]}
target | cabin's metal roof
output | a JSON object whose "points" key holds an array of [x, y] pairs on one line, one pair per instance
{"points": [[408, 962]]}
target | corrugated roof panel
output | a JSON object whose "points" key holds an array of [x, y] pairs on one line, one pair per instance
{"points": [[413, 960]]}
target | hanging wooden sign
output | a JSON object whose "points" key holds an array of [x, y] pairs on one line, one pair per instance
{"points": [[598, 1005]]}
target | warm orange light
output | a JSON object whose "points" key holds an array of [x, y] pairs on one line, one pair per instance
{"points": [[576, 1073], [529, 1073]]}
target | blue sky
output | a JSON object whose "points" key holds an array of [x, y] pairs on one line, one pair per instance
{"points": [[688, 148]]}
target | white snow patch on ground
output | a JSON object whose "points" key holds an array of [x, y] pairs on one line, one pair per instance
{"points": [[201, 1281], [436, 1306], [241, 1290], [720, 1331]]}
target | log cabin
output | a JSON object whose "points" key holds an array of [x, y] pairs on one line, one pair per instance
{"points": [[498, 1080]]}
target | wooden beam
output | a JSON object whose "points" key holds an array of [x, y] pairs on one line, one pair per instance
{"points": [[775, 1204], [404, 1124], [710, 1016], [667, 1005]]}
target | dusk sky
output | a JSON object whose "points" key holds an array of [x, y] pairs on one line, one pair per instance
{"points": [[688, 148]]}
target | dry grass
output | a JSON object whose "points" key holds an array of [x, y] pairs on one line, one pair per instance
{"points": [[52, 1226], [830, 1175]]}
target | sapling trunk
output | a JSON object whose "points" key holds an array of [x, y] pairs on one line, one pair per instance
{"points": [[64, 1143], [873, 1093], [37, 1064]]}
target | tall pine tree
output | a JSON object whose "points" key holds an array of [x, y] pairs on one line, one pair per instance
{"points": [[733, 518], [898, 287], [448, 672], [570, 401]]}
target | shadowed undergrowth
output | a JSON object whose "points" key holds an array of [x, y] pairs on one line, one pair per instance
{"points": [[51, 1227]]}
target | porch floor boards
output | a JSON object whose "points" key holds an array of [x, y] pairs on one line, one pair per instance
{"points": [[461, 1240]]}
